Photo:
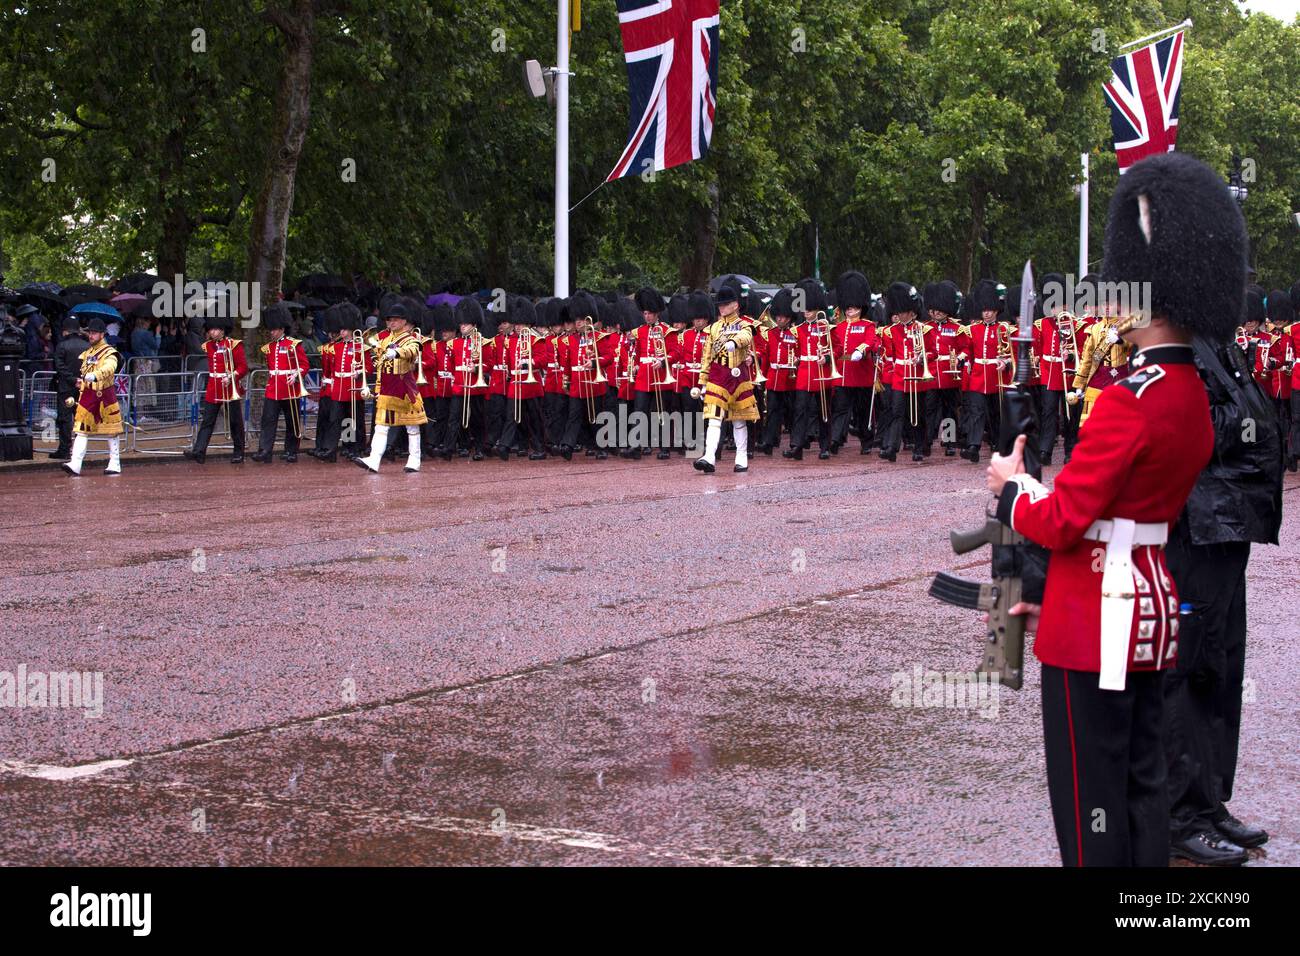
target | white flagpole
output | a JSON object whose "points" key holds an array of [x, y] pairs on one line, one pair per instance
{"points": [[1083, 217], [1158, 33], [562, 151]]}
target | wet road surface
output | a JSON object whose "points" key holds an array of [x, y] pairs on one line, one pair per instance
{"points": [[527, 663]]}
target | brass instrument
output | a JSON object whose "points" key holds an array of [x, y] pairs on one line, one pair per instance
{"points": [[825, 351], [295, 411], [419, 358], [915, 332], [1005, 352], [475, 341], [590, 330], [1095, 352], [1065, 326], [529, 335]]}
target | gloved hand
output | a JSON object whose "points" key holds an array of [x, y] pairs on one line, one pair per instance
{"points": [[695, 393], [856, 356], [365, 392], [730, 346], [90, 376], [390, 353]]}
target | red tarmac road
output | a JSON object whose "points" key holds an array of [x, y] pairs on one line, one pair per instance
{"points": [[582, 663]]}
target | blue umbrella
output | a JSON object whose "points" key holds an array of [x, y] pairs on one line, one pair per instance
{"points": [[95, 308]]}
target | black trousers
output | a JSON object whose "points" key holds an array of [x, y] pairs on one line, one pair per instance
{"points": [[555, 411], [208, 421], [579, 429], [433, 433], [983, 414], [900, 423], [530, 426], [63, 419], [1203, 692], [851, 404], [808, 419], [881, 414], [1051, 410], [1106, 768], [477, 431], [1294, 448], [645, 403], [496, 419], [271, 412], [947, 425], [780, 414]]}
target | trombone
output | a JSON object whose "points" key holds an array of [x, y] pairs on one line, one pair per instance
{"points": [[1065, 327], [588, 333], [480, 381], [915, 333], [295, 411], [530, 335], [825, 351], [659, 348]]}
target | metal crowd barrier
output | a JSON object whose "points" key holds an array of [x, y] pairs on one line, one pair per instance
{"points": [[160, 419], [308, 408]]}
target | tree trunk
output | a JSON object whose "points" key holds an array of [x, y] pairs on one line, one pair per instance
{"points": [[969, 247], [270, 226], [697, 268], [177, 227]]}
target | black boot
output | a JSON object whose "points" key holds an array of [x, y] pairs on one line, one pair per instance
{"points": [[261, 457], [198, 457], [1208, 848], [794, 454], [1245, 835]]}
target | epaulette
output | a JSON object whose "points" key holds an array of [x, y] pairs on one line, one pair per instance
{"points": [[1136, 382]]}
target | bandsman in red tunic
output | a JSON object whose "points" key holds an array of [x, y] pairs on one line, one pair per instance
{"points": [[943, 302], [855, 345], [555, 397], [472, 357], [1280, 362], [525, 356], [1109, 623], [654, 354], [96, 411], [398, 403], [1058, 342], [816, 377], [989, 359], [782, 364], [286, 386], [912, 346], [690, 360], [587, 359], [227, 370], [1293, 330]]}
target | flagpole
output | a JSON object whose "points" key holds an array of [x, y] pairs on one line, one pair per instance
{"points": [[1158, 33], [562, 151], [1083, 217]]}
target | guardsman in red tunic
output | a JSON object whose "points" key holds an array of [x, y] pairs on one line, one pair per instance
{"points": [[814, 381], [436, 392], [286, 386], [1293, 330], [943, 301], [471, 360], [782, 364], [1280, 361], [555, 397], [353, 370], [587, 359], [398, 403], [329, 426], [989, 350], [654, 354], [691, 360], [96, 411], [525, 356], [227, 369], [497, 328], [1058, 341], [855, 344], [622, 318], [1109, 622], [912, 346]]}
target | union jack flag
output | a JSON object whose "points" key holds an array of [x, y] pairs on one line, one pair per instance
{"points": [[1143, 97], [671, 48]]}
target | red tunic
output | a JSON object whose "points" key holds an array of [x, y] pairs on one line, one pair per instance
{"points": [[496, 372], [954, 349], [553, 384], [465, 371], [1056, 367], [576, 357], [813, 373], [224, 356], [519, 386], [782, 359], [644, 356], [907, 364], [346, 371], [982, 375], [286, 366], [690, 357], [848, 337], [1138, 456]]}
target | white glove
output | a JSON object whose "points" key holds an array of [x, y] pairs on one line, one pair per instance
{"points": [[365, 392], [390, 354], [1111, 336], [731, 346], [855, 357], [695, 393], [327, 381], [90, 376]]}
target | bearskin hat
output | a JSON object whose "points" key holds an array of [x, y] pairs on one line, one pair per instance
{"points": [[700, 306], [582, 305], [1281, 310], [677, 308], [754, 304], [333, 321], [444, 319], [1173, 225], [814, 296], [900, 297], [469, 312], [553, 312], [1011, 304], [217, 322], [1053, 286], [1295, 294], [783, 303], [629, 314], [521, 311], [1254, 310], [277, 317], [983, 298], [351, 316], [649, 299], [942, 297], [879, 314], [852, 291]]}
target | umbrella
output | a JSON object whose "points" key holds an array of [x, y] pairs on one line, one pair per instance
{"points": [[128, 302], [716, 282], [77, 294], [311, 302], [296, 306], [95, 308], [138, 282], [442, 298], [43, 294]]}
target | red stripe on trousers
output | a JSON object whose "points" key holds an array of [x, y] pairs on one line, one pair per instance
{"points": [[1074, 766]]}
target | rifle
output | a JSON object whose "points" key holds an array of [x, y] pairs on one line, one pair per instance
{"points": [[1019, 567]]}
